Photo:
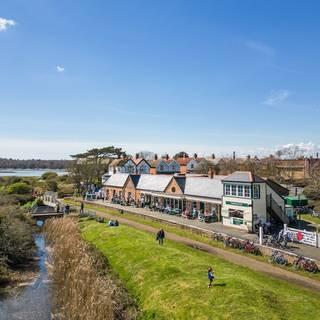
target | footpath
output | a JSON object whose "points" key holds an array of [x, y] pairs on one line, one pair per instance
{"points": [[232, 257], [296, 248]]}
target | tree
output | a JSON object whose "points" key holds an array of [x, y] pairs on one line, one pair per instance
{"points": [[181, 154], [52, 185], [49, 175], [148, 155], [19, 188], [88, 167], [205, 166]]}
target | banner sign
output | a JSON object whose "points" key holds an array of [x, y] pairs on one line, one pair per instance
{"points": [[302, 236]]}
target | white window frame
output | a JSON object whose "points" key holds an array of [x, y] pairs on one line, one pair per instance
{"points": [[256, 191], [247, 191], [240, 187], [234, 190]]}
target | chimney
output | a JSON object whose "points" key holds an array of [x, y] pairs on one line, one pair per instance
{"points": [[248, 156], [234, 155], [155, 156], [167, 157], [195, 156], [137, 155], [213, 156], [210, 173], [317, 155]]}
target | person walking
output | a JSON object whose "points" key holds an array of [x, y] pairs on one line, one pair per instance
{"points": [[160, 236], [210, 277], [81, 207]]}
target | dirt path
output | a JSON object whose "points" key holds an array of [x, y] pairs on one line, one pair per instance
{"points": [[232, 257]]}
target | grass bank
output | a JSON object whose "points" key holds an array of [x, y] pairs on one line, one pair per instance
{"points": [[170, 282], [83, 286], [204, 238]]}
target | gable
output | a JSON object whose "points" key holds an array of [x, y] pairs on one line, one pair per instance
{"points": [[173, 187], [129, 184]]}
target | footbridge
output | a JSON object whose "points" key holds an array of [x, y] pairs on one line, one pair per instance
{"points": [[45, 212]]}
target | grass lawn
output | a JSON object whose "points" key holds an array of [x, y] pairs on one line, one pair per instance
{"points": [[308, 217], [184, 233], [170, 282]]}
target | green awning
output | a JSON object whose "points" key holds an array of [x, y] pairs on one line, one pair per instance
{"points": [[296, 201]]}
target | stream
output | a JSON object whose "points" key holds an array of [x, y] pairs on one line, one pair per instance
{"points": [[32, 302]]}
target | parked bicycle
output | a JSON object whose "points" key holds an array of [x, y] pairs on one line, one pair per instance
{"points": [[303, 263], [278, 258]]}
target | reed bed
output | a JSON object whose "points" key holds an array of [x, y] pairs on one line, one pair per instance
{"points": [[83, 286]]}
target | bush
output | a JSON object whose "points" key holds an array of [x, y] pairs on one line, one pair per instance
{"points": [[52, 185], [19, 188], [16, 240], [49, 175]]}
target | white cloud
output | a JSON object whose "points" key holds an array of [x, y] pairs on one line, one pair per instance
{"points": [[277, 97], [5, 23], [299, 149], [260, 47], [60, 69]]}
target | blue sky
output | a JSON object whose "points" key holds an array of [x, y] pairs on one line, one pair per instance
{"points": [[201, 76]]}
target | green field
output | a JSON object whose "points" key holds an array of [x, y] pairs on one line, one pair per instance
{"points": [[170, 282]]}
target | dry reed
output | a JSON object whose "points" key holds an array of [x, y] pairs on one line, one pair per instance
{"points": [[83, 286]]}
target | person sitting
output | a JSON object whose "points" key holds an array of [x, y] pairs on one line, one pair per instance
{"points": [[116, 223], [111, 223]]}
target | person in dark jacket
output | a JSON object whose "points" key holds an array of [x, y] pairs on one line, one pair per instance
{"points": [[210, 277], [160, 236], [81, 207]]}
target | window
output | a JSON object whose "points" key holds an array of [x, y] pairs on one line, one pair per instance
{"points": [[227, 189], [234, 189], [161, 168], [235, 213], [256, 191], [173, 189], [240, 191], [247, 191], [192, 166], [173, 168]]}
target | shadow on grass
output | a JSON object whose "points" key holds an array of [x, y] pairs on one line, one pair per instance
{"points": [[218, 284]]}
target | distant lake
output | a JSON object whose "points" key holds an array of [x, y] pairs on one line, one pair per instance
{"points": [[28, 172]]}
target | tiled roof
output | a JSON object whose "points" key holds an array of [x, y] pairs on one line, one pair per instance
{"points": [[243, 176], [139, 160], [152, 182], [153, 163], [136, 160], [203, 187], [117, 180]]}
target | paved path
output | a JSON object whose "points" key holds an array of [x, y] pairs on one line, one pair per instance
{"points": [[232, 257], [296, 248]]}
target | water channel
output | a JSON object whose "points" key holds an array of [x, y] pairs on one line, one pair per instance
{"points": [[32, 302]]}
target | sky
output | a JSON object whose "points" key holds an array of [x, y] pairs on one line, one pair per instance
{"points": [[165, 76]]}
